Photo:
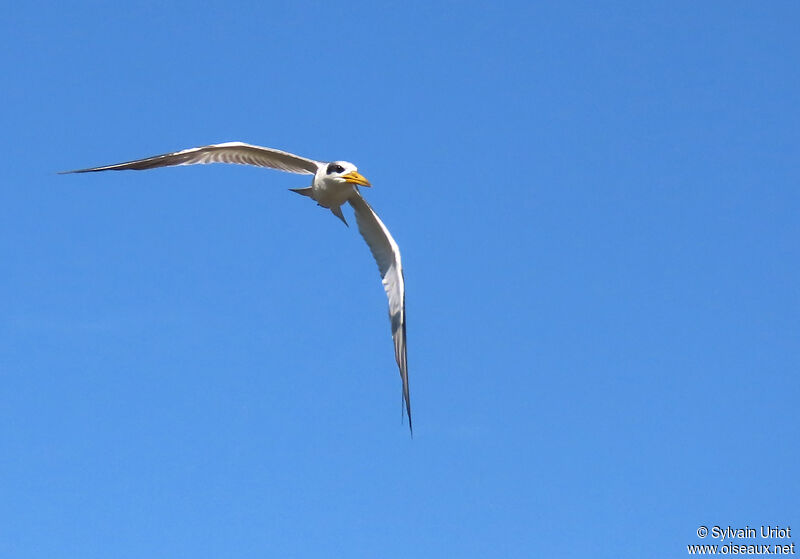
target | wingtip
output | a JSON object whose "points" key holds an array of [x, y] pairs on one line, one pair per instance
{"points": [[75, 171], [406, 411]]}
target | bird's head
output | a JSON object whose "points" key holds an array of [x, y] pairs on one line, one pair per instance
{"points": [[344, 171]]}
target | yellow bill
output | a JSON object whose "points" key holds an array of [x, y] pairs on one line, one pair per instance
{"points": [[356, 178]]}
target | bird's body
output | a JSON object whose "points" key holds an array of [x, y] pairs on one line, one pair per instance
{"points": [[332, 185], [329, 191], [329, 194]]}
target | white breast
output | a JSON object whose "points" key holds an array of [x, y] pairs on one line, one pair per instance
{"points": [[329, 194]]}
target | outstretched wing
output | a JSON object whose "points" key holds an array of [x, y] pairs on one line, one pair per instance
{"points": [[387, 255], [230, 152]]}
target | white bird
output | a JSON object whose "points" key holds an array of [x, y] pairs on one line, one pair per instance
{"points": [[333, 184]]}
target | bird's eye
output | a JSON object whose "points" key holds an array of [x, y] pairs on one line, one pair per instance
{"points": [[335, 168]]}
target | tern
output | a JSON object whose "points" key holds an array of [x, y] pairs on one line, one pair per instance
{"points": [[334, 183]]}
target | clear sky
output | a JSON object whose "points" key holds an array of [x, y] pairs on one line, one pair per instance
{"points": [[598, 208]]}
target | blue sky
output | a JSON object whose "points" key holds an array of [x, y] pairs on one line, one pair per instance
{"points": [[598, 211]]}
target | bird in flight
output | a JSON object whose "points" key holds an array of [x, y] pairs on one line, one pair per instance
{"points": [[333, 184]]}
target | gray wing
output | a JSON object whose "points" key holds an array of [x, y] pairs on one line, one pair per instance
{"points": [[230, 152], [387, 255]]}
